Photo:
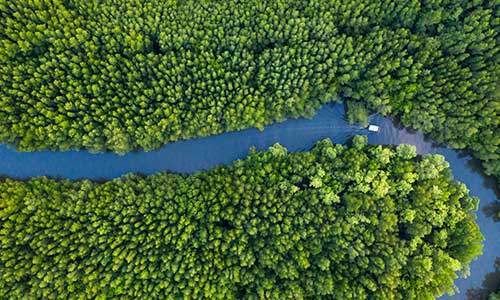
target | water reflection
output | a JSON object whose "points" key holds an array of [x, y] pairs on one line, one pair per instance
{"points": [[491, 284], [492, 210]]}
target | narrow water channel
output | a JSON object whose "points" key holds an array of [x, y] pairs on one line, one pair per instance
{"points": [[297, 135]]}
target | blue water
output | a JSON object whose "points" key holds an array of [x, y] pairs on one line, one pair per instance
{"points": [[297, 135]]}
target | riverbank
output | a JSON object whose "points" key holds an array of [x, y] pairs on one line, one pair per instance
{"points": [[296, 135]]}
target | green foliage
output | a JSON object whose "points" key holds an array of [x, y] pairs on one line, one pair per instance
{"points": [[406, 151], [119, 76], [290, 226], [278, 150], [431, 166], [359, 141], [357, 113]]}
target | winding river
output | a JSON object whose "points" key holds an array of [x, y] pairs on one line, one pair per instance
{"points": [[299, 134]]}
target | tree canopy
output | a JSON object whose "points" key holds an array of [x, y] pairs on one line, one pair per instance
{"points": [[125, 75], [336, 222]]}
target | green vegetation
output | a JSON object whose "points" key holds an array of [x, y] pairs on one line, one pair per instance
{"points": [[357, 113], [337, 222], [104, 75]]}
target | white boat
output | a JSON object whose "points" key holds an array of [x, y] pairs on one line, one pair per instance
{"points": [[373, 128]]}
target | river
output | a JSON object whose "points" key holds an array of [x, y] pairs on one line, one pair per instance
{"points": [[297, 135]]}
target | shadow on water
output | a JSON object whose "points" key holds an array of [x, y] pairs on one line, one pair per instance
{"points": [[398, 124], [490, 284], [492, 210], [476, 166], [193, 155]]}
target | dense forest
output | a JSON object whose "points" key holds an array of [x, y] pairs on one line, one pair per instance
{"points": [[336, 222], [124, 75]]}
